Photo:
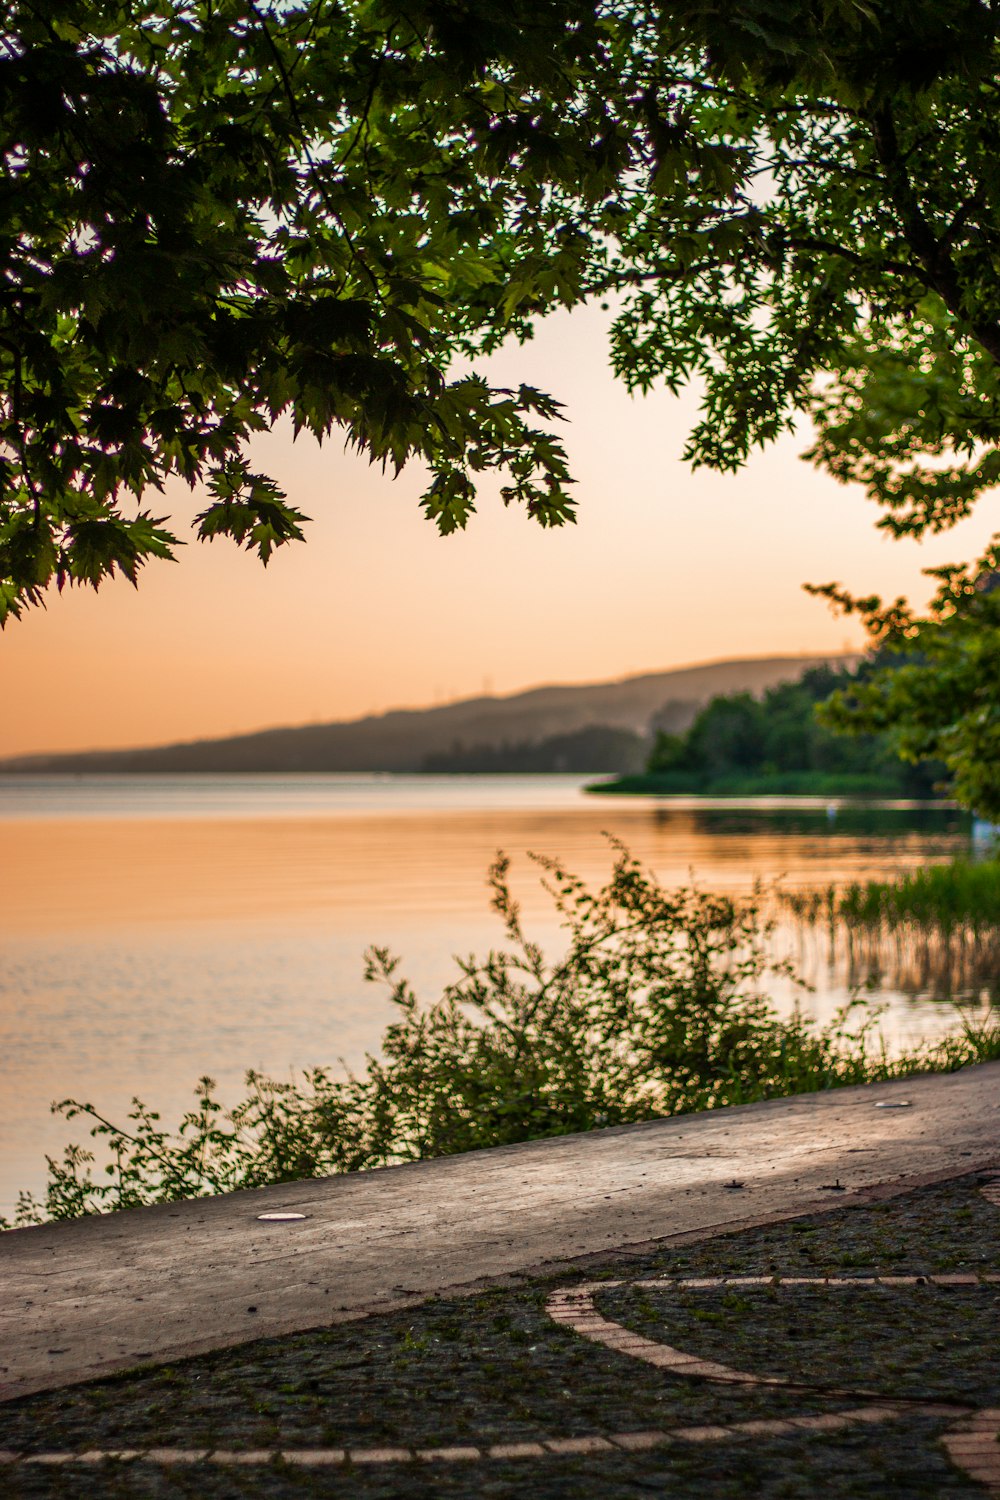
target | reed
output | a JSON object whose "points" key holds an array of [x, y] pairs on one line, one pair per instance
{"points": [[962, 894], [931, 933]]}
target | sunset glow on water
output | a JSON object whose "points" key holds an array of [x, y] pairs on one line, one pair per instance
{"points": [[174, 927]]}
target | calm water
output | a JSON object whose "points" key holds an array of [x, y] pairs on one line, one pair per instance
{"points": [[158, 928]]}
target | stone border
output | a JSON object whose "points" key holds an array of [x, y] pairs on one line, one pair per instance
{"points": [[973, 1444], [574, 1308], [974, 1447], [629, 1442]]}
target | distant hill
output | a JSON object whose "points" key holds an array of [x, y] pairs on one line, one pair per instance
{"points": [[404, 739]]}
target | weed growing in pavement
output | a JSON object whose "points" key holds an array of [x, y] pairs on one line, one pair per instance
{"points": [[659, 1006]]}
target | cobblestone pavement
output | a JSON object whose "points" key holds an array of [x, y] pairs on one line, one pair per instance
{"points": [[851, 1354]]}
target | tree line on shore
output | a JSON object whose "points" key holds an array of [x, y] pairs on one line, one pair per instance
{"points": [[736, 742], [783, 741]]}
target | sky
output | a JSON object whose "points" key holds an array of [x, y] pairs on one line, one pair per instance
{"points": [[664, 568]]}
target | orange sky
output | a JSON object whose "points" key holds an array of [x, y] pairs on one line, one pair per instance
{"points": [[664, 568]]}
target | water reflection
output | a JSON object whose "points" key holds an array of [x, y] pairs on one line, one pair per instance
{"points": [[154, 931], [812, 816], [84, 873]]}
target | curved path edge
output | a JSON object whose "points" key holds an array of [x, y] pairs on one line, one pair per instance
{"points": [[95, 1296]]}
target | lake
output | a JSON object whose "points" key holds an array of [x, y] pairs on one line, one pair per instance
{"points": [[158, 928]]}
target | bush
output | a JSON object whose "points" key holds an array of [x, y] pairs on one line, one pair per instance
{"points": [[658, 1007]]}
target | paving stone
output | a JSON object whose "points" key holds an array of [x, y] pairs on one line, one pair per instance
{"points": [[639, 1442], [319, 1458], [449, 1455], [382, 1455], [702, 1434], [516, 1450], [752, 1429], [250, 1456], [176, 1455], [577, 1445]]}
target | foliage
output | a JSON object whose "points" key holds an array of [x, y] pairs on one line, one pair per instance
{"points": [[218, 213], [656, 1008], [936, 692], [221, 212], [914, 417], [777, 741]]}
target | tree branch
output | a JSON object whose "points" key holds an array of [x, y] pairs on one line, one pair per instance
{"points": [[933, 253]]}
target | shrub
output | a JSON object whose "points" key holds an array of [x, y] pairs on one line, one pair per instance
{"points": [[657, 1007]]}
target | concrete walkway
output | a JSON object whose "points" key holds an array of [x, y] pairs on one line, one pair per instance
{"points": [[85, 1298]]}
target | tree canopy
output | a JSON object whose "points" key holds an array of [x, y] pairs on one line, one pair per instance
{"points": [[217, 212]]}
